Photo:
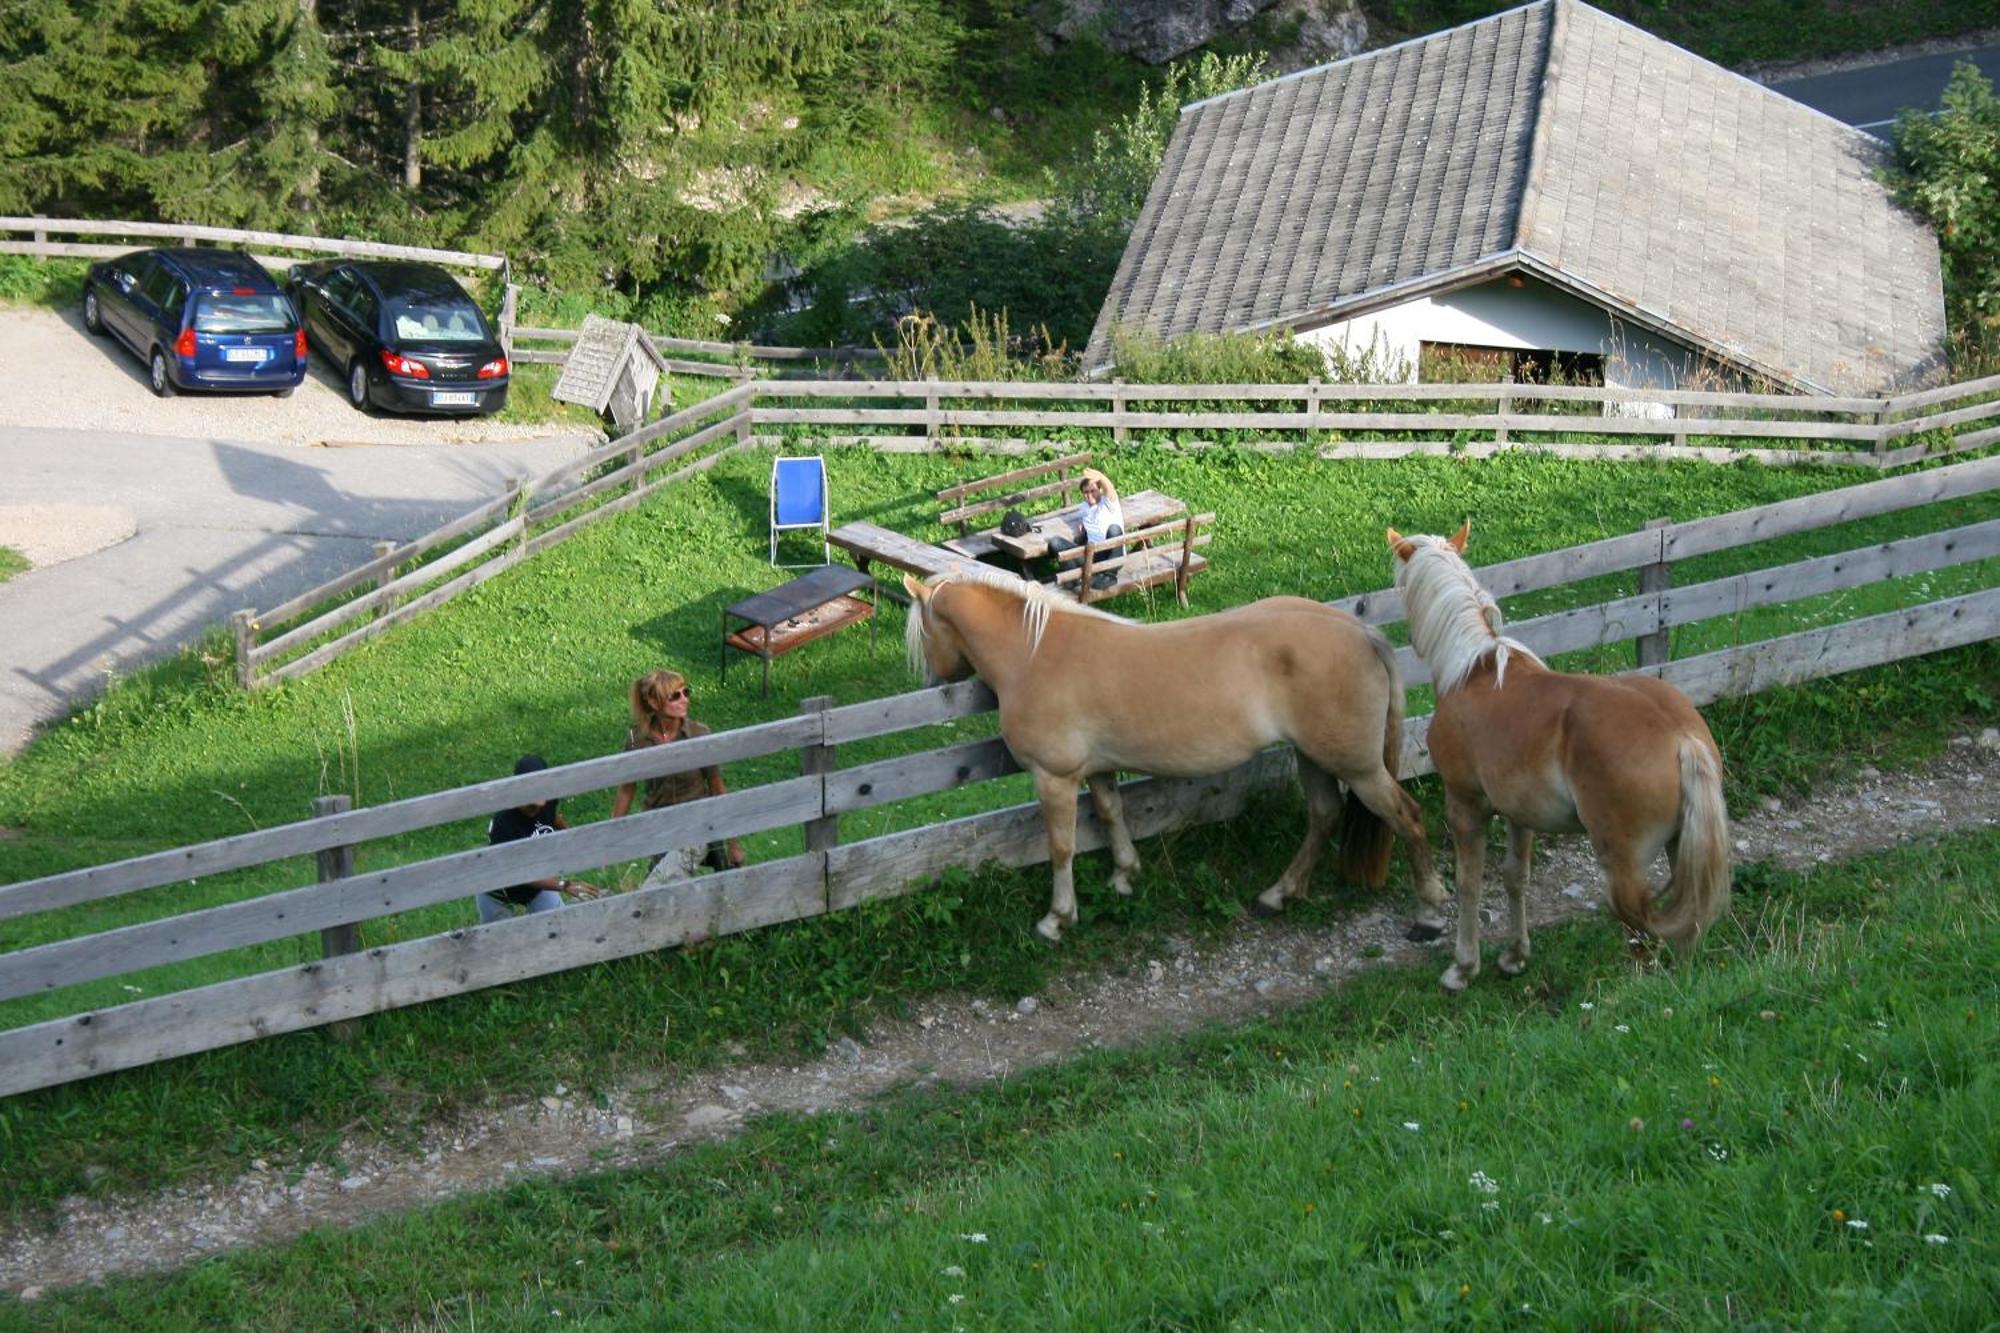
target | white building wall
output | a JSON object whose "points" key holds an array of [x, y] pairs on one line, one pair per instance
{"points": [[1531, 317]]}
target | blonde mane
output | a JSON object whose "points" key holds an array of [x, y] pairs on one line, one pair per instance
{"points": [[1038, 603], [1454, 623]]}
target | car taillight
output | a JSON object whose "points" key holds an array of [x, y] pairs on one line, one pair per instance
{"points": [[184, 345], [299, 344], [493, 369], [402, 365]]}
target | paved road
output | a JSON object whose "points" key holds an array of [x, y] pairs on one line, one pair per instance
{"points": [[1869, 97], [220, 525]]}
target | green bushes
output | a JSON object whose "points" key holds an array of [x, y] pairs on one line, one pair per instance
{"points": [[1948, 169]]}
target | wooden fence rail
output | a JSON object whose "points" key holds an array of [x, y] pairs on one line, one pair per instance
{"points": [[188, 233], [834, 874]]}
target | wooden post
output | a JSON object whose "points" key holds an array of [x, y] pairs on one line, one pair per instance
{"points": [[510, 301], [243, 628], [41, 239], [518, 507], [385, 578], [336, 863], [743, 422], [1083, 578], [1312, 412], [1655, 648], [817, 760], [1881, 431], [1119, 431], [1503, 407], [931, 421], [632, 457]]}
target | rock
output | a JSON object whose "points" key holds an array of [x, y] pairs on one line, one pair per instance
{"points": [[1989, 740], [1772, 804], [734, 1095], [1156, 972], [31, 1293], [114, 1233], [1027, 1004], [704, 1116], [1869, 773], [1157, 31], [353, 1183], [552, 1103], [1175, 946], [850, 1050], [623, 1127], [546, 1163], [1264, 986], [1324, 966]]}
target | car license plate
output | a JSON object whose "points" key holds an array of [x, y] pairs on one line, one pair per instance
{"points": [[258, 354], [453, 398]]}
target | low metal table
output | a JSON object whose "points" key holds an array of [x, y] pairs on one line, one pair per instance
{"points": [[793, 614]]}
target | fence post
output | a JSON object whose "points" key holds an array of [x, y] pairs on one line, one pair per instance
{"points": [[41, 240], [1505, 407], [817, 760], [243, 629], [385, 578], [510, 301], [743, 424], [632, 457], [336, 863], [1881, 430], [1119, 432], [1654, 648], [1312, 409], [931, 422], [517, 507]]}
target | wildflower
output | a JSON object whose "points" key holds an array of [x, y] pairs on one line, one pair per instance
{"points": [[721, 318], [1484, 1183], [1446, 1235], [1932, 1238], [1768, 1015], [1636, 1125], [1545, 1219], [976, 1237], [1464, 1291], [956, 1298], [1839, 1216], [1309, 1210], [1622, 1027], [1856, 1224], [1464, 1105], [951, 1270], [1585, 1004], [1687, 1122], [1719, 1153], [1715, 1081], [1118, 1157], [1667, 1012], [1491, 1205], [1942, 1190], [1413, 1125]]}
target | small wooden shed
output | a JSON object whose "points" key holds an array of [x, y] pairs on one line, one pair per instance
{"points": [[613, 368]]}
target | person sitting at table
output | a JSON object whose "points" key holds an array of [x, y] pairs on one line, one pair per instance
{"points": [[535, 819], [660, 701], [1099, 518]]}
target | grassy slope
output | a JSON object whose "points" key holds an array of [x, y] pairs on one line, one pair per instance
{"points": [[540, 659], [1592, 1146]]}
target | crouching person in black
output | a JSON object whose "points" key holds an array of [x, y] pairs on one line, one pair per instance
{"points": [[534, 820]]}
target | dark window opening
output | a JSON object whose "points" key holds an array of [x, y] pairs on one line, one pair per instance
{"points": [[1467, 363]]}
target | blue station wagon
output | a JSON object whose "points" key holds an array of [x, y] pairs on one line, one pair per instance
{"points": [[199, 319]]}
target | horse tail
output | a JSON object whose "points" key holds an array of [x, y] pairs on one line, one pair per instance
{"points": [[1365, 840], [1700, 882]]}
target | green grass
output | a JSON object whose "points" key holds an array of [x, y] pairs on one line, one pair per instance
{"points": [[12, 562], [540, 659], [1588, 1146]]}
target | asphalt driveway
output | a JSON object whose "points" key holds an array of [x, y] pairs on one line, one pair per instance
{"points": [[149, 520]]}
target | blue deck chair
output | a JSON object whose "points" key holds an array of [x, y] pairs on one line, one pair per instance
{"points": [[799, 500]]}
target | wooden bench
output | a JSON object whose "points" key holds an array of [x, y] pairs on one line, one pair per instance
{"points": [[869, 542], [1163, 553], [961, 508]]}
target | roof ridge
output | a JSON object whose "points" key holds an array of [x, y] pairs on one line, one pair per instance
{"points": [[1364, 56]]}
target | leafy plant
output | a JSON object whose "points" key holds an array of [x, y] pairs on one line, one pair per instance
{"points": [[1948, 169]]}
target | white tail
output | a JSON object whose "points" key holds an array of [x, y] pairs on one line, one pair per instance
{"points": [[1700, 883]]}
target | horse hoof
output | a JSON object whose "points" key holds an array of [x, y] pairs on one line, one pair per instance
{"points": [[1263, 907], [1512, 964], [1423, 932], [1050, 929], [1122, 885], [1455, 979]]}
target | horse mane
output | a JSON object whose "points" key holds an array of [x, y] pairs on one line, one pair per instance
{"points": [[1454, 623], [1038, 602]]}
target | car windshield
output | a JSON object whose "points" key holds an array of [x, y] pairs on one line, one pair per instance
{"points": [[253, 312], [440, 318]]}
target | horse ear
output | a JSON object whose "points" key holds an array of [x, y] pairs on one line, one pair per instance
{"points": [[1457, 542], [1401, 545], [918, 592]]}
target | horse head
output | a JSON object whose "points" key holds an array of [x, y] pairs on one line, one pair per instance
{"points": [[932, 643]]}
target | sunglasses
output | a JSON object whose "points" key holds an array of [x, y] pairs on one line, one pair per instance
{"points": [[681, 693]]}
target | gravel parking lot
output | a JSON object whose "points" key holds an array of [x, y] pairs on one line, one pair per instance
{"points": [[54, 374]]}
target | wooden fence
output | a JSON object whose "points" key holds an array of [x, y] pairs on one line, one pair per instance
{"points": [[737, 363], [403, 581], [1399, 420], [39, 230], [832, 875]]}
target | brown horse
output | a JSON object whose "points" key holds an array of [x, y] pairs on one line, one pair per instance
{"points": [[1625, 759], [1084, 694]]}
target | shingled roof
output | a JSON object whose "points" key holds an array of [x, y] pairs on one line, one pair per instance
{"points": [[1557, 141]]}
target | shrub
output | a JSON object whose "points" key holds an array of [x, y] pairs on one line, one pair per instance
{"points": [[1214, 358], [1948, 169]]}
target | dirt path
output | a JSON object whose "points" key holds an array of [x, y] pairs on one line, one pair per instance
{"points": [[1258, 968]]}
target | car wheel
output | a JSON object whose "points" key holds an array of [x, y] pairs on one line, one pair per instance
{"points": [[357, 385], [156, 375], [93, 318], [285, 392]]}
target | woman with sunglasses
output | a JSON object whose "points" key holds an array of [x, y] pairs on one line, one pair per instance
{"points": [[660, 702]]}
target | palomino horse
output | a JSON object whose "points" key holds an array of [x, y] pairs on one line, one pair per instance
{"points": [[1625, 759], [1084, 694]]}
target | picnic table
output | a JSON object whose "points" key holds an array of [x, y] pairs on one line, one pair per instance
{"points": [[870, 542], [793, 614], [1143, 509]]}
